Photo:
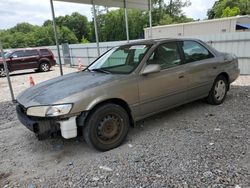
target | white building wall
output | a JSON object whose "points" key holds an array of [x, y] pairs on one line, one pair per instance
{"points": [[207, 27], [194, 28]]}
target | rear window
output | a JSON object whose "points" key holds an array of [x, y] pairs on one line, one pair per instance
{"points": [[31, 53], [45, 52]]}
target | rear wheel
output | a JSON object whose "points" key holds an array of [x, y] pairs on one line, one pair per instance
{"points": [[107, 127], [219, 91], [2, 72], [44, 67]]}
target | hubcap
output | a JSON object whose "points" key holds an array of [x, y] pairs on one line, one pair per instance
{"points": [[45, 67], [220, 90], [109, 128], [2, 72]]}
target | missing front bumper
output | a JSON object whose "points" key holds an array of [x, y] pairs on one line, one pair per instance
{"points": [[45, 127]]}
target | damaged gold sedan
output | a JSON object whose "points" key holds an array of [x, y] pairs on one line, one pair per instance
{"points": [[124, 85]]}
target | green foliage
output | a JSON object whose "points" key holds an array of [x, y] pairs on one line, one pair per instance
{"points": [[84, 41], [22, 36], [227, 8], [76, 22], [111, 24], [229, 12]]}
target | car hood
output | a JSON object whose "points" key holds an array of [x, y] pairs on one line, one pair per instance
{"points": [[51, 91]]}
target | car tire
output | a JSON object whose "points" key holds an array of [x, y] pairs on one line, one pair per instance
{"points": [[44, 67], [2, 72], [106, 127], [218, 92]]}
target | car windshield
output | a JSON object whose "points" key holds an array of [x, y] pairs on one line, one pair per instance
{"points": [[120, 60]]}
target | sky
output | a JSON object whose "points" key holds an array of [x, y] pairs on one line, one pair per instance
{"points": [[37, 11]]}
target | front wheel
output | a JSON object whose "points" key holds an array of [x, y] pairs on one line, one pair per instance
{"points": [[107, 127], [219, 91]]}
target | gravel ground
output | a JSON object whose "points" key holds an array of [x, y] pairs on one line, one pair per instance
{"points": [[195, 145]]}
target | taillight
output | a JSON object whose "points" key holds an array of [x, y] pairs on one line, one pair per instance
{"points": [[52, 55]]}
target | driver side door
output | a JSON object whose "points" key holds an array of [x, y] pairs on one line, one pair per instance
{"points": [[167, 88], [16, 60]]}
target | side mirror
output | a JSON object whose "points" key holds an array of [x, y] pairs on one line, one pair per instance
{"points": [[151, 68]]}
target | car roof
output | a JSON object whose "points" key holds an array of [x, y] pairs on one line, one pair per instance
{"points": [[158, 41], [35, 48]]}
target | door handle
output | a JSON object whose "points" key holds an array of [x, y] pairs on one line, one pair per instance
{"points": [[181, 76], [214, 67]]}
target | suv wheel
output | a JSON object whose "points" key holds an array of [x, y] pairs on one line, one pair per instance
{"points": [[219, 91], [44, 67], [2, 72], [107, 127]]}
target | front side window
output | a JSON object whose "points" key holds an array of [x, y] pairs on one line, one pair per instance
{"points": [[18, 54], [123, 60], [166, 55], [193, 51]]}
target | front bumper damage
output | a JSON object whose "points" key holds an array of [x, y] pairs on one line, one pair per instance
{"points": [[47, 126]]}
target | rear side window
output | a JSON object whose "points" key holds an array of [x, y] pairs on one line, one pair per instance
{"points": [[194, 51], [31, 53], [45, 52]]}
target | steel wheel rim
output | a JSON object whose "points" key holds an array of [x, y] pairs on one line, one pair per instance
{"points": [[220, 90], [45, 67], [110, 128], [2, 72]]}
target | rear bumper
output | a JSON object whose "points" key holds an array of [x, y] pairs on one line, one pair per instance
{"points": [[53, 62]]}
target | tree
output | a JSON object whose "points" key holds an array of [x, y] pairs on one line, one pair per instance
{"points": [[66, 36], [111, 24], [23, 28], [26, 35], [226, 8], [229, 12], [163, 11], [76, 22]]}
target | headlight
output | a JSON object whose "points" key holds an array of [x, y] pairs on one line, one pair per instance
{"points": [[58, 110], [49, 111]]}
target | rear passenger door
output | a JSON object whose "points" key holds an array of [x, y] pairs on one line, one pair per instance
{"points": [[198, 61], [31, 59]]}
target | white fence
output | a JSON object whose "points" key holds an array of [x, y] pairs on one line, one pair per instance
{"points": [[237, 43]]}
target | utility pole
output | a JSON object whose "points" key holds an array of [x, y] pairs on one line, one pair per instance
{"points": [[170, 7], [7, 73], [56, 36]]}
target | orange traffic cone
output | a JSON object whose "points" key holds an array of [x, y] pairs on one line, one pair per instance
{"points": [[32, 83], [80, 65]]}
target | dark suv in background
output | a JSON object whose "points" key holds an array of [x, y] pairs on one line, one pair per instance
{"points": [[41, 59]]}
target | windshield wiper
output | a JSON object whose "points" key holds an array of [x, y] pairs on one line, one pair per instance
{"points": [[87, 68], [101, 70]]}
